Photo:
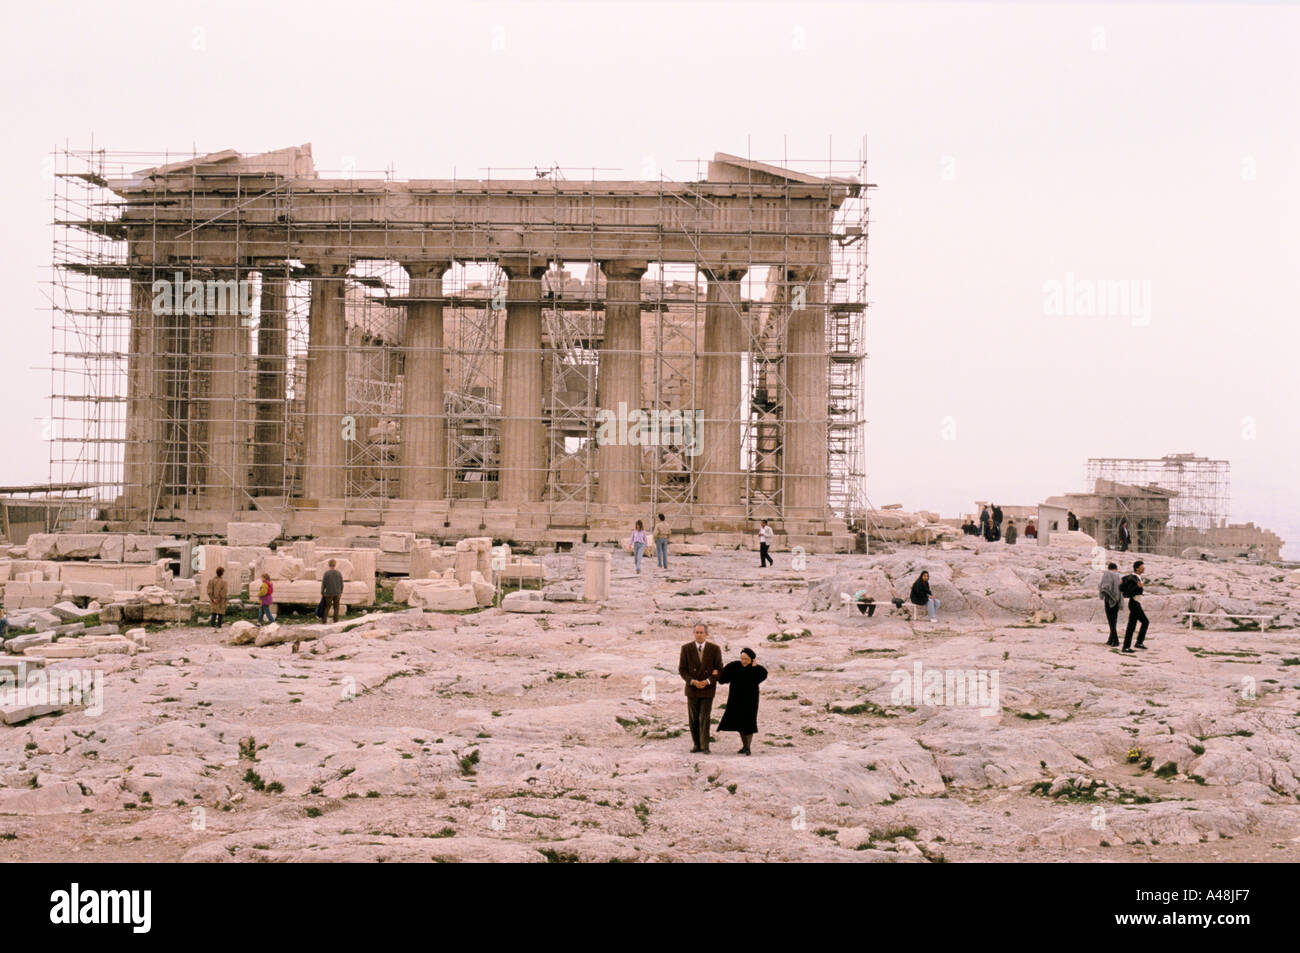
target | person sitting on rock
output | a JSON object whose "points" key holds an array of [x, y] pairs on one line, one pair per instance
{"points": [[921, 595], [866, 605], [741, 715]]}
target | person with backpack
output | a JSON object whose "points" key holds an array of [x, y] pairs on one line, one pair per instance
{"points": [[1112, 599], [1130, 587], [264, 593]]}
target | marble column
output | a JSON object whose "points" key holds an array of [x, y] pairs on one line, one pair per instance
{"points": [[720, 482], [522, 467], [618, 380], [804, 446], [272, 392], [226, 457], [324, 457], [424, 421], [141, 456]]}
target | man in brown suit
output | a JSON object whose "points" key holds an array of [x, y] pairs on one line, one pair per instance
{"points": [[700, 662]]}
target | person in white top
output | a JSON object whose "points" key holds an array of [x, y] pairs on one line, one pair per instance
{"points": [[764, 539], [639, 540]]}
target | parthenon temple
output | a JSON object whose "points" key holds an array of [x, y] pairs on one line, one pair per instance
{"points": [[538, 358]]}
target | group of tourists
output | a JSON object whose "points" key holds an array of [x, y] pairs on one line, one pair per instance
{"points": [[331, 596], [990, 526], [662, 533], [1113, 590], [702, 669]]}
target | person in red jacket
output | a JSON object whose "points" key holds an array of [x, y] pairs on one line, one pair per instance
{"points": [[264, 593]]}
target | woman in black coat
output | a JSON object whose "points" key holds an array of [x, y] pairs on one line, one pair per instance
{"points": [[742, 698], [922, 596]]}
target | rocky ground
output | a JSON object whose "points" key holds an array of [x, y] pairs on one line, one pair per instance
{"points": [[561, 736]]}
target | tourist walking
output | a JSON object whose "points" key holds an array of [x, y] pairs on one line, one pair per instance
{"points": [[1111, 599], [921, 596], [984, 522], [764, 540], [662, 532], [741, 715], [264, 593], [639, 541], [1031, 531], [699, 665], [331, 592], [218, 593], [1011, 532], [997, 522], [1131, 587], [1125, 537]]}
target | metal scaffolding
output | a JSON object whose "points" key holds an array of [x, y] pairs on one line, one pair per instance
{"points": [[1170, 502], [221, 403]]}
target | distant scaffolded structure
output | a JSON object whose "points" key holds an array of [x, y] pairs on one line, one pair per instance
{"points": [[527, 356], [1171, 502]]}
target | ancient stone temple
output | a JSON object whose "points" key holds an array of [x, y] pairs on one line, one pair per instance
{"points": [[535, 358]]}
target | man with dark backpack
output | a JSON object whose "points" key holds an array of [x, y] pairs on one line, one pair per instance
{"points": [[1130, 587]]}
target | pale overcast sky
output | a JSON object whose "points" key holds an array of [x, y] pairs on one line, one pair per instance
{"points": [[1014, 144]]}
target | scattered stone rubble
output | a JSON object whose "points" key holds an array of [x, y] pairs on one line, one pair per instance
{"points": [[893, 525], [552, 727]]}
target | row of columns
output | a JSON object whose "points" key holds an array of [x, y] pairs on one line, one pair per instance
{"points": [[522, 464]]}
